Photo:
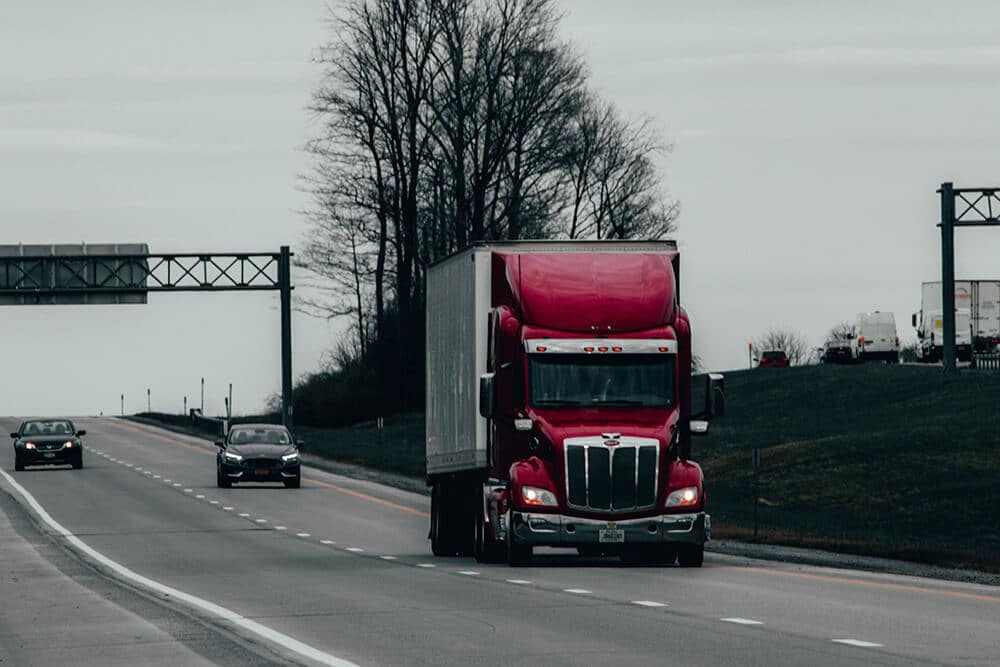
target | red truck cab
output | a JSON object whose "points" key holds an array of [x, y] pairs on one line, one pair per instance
{"points": [[584, 403]]}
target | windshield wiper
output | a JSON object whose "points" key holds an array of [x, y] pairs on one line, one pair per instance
{"points": [[555, 401]]}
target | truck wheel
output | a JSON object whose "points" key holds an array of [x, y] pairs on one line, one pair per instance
{"points": [[486, 549], [690, 555], [518, 555]]}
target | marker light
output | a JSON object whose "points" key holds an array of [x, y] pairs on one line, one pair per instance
{"points": [[541, 348], [616, 349], [685, 497], [588, 349], [602, 349], [532, 495], [664, 349]]}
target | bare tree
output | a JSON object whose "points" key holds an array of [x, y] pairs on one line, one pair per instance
{"points": [[841, 331], [795, 346]]}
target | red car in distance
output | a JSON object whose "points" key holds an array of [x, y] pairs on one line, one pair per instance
{"points": [[773, 359]]}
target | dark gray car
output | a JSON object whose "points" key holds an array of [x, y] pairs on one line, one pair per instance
{"points": [[47, 442], [258, 453]]}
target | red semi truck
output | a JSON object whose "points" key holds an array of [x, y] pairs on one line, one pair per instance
{"points": [[559, 403]]}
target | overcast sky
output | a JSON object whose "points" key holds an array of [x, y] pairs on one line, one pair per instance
{"points": [[809, 139]]}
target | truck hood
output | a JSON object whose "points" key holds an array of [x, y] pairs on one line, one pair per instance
{"points": [[561, 423]]}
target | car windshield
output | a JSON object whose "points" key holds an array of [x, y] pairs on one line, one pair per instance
{"points": [[263, 436], [47, 427], [567, 380]]}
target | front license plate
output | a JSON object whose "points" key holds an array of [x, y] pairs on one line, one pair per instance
{"points": [[49, 455], [261, 472], [611, 535]]}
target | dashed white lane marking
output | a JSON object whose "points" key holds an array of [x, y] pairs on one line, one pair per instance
{"points": [[355, 550], [281, 528], [302, 535], [244, 514], [518, 582], [577, 591], [469, 573], [213, 502], [858, 642], [129, 465], [648, 603], [200, 496], [327, 542], [207, 606], [156, 477], [428, 565], [178, 484], [741, 621], [387, 557], [167, 481], [228, 509], [113, 460], [261, 520], [188, 490]]}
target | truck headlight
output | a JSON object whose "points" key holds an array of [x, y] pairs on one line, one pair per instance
{"points": [[230, 456], [686, 497], [532, 495]]}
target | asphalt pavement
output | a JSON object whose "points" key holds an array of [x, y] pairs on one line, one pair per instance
{"points": [[340, 572]]}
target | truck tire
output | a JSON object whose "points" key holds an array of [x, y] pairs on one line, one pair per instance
{"points": [[518, 555], [690, 555], [486, 550]]}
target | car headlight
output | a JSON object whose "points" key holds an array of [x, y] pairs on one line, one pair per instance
{"points": [[290, 458], [29, 445], [68, 443], [686, 497], [230, 456], [532, 495]]}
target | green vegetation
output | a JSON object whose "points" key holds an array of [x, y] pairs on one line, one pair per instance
{"points": [[902, 461]]}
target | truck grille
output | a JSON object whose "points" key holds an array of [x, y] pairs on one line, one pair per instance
{"points": [[620, 478]]}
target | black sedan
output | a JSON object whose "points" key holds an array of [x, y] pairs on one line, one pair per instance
{"points": [[47, 442], [258, 453]]}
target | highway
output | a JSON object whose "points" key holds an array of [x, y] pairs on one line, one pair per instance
{"points": [[340, 572]]}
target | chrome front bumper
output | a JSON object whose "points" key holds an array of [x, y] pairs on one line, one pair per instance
{"points": [[556, 530]]}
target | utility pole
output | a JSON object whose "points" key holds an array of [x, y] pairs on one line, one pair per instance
{"points": [[185, 413], [123, 405], [147, 400], [948, 275], [203, 397]]}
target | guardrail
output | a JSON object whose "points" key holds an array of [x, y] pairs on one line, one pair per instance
{"points": [[988, 361]]}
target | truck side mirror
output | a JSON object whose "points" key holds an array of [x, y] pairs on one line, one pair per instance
{"points": [[487, 394], [715, 395]]}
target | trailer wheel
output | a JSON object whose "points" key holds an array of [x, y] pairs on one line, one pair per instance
{"points": [[690, 555], [440, 542]]}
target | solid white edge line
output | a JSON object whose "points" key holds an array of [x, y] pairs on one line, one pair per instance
{"points": [[518, 582], [741, 621], [648, 603], [577, 591], [219, 611], [858, 642]]}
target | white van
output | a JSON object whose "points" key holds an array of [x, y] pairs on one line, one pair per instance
{"points": [[931, 335], [875, 338]]}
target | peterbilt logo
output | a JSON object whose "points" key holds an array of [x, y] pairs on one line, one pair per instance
{"points": [[611, 439]]}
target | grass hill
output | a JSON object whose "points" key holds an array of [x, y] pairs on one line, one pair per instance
{"points": [[898, 461]]}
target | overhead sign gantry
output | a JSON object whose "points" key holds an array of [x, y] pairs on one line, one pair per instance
{"points": [[78, 274]]}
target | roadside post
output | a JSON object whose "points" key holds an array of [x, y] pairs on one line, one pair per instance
{"points": [[755, 462], [749, 355]]}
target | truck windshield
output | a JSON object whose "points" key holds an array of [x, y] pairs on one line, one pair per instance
{"points": [[568, 380]]}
